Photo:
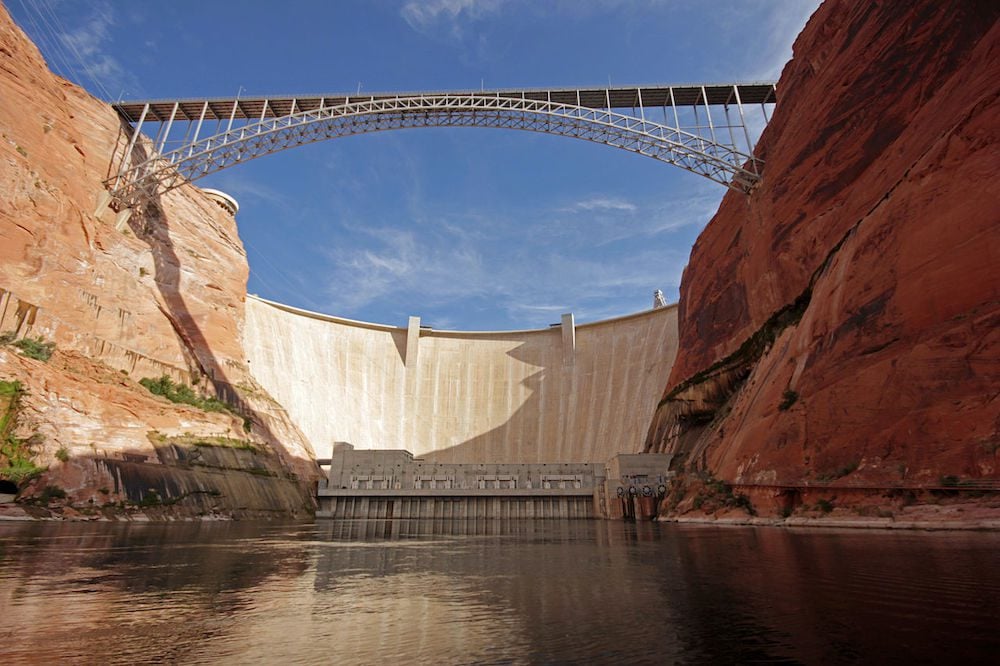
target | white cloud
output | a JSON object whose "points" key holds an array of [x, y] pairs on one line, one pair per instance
{"points": [[694, 211], [439, 267], [784, 22], [601, 204], [591, 288], [446, 269], [427, 14], [602, 220], [86, 47]]}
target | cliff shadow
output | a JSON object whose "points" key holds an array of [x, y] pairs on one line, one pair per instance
{"points": [[150, 224]]}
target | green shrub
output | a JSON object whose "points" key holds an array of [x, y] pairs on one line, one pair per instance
{"points": [[151, 498], [716, 493], [36, 348], [223, 442], [182, 394], [19, 470], [62, 454], [839, 472], [788, 398], [824, 505], [716, 486], [10, 389], [16, 454], [743, 502], [50, 493]]}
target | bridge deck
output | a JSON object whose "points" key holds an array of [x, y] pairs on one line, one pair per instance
{"points": [[622, 97]]}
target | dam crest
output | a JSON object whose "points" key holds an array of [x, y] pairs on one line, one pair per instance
{"points": [[565, 394]]}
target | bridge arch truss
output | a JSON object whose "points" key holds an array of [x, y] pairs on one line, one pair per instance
{"points": [[706, 130]]}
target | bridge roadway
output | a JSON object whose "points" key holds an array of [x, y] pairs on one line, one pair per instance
{"points": [[708, 130]]}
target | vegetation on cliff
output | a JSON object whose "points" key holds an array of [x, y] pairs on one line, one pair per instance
{"points": [[185, 395], [159, 439], [36, 348], [182, 394], [701, 491], [16, 454]]}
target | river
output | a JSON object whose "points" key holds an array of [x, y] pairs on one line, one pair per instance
{"points": [[366, 592]]}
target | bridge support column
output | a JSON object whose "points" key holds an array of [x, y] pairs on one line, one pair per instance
{"points": [[122, 218], [127, 157], [103, 199]]}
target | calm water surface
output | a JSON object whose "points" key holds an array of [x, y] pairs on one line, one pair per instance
{"points": [[500, 592]]}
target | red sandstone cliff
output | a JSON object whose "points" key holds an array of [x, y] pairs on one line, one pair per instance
{"points": [[163, 294], [841, 324]]}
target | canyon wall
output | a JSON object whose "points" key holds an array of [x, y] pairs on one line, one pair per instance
{"points": [[162, 294], [563, 394], [841, 324]]}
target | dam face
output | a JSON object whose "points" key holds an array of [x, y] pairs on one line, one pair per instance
{"points": [[564, 394]]}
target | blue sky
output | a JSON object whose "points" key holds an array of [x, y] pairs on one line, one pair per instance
{"points": [[468, 228]]}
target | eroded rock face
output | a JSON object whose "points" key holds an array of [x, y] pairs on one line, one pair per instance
{"points": [[161, 294], [842, 323]]}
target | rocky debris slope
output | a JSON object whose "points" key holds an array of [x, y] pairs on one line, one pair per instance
{"points": [[840, 326], [162, 294]]}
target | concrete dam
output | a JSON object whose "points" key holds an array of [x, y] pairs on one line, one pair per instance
{"points": [[565, 394]]}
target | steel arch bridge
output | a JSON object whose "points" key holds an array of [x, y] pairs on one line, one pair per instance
{"points": [[708, 130]]}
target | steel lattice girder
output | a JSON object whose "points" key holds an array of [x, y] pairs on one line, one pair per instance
{"points": [[698, 154]]}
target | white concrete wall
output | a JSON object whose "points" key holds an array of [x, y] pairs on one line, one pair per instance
{"points": [[517, 396]]}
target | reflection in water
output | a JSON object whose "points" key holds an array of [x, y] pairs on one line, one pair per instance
{"points": [[492, 592]]}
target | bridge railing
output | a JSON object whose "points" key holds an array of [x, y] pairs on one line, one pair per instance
{"points": [[709, 130]]}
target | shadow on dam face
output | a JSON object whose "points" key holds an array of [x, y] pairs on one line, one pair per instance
{"points": [[531, 432], [549, 395]]}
